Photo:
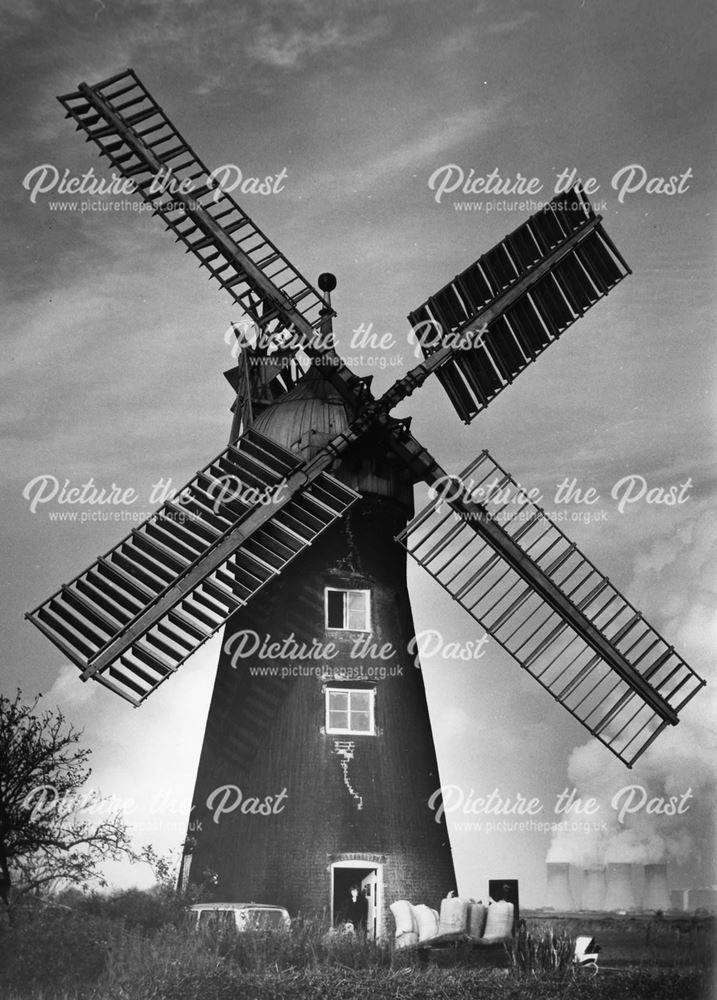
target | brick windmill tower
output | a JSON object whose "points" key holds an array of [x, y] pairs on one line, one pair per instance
{"points": [[318, 759], [339, 738]]}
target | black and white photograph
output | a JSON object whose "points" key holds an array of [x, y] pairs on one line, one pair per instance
{"points": [[359, 550]]}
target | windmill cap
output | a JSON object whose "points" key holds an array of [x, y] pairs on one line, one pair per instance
{"points": [[310, 415], [307, 417]]}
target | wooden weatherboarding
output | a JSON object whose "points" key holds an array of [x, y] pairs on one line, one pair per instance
{"points": [[133, 617]]}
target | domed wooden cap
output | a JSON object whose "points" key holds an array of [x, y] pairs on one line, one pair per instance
{"points": [[307, 417], [310, 415]]}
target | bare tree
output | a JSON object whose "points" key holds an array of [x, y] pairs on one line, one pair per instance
{"points": [[50, 830]]}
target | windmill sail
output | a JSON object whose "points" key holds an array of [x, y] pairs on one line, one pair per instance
{"points": [[141, 609], [520, 577], [517, 299], [141, 143]]}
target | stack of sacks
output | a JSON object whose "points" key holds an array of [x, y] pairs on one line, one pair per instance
{"points": [[427, 922], [454, 915], [477, 919], [499, 921], [406, 924], [417, 924], [414, 924]]}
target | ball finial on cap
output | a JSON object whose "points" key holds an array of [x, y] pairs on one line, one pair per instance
{"points": [[327, 281]]}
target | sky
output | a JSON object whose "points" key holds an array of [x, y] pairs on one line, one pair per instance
{"points": [[114, 344]]}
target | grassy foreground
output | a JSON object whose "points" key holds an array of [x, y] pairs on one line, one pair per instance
{"points": [[140, 954]]}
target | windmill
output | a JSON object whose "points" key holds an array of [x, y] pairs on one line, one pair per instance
{"points": [[318, 759]]}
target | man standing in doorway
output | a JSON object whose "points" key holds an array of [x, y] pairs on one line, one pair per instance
{"points": [[357, 909]]}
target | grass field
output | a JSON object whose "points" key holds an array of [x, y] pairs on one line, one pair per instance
{"points": [[97, 952], [675, 941]]}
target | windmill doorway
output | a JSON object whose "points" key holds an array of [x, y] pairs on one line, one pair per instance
{"points": [[369, 880]]}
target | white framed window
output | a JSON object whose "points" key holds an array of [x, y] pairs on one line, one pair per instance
{"points": [[350, 711], [349, 610]]}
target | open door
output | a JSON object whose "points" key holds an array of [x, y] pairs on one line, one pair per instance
{"points": [[369, 880], [370, 889]]}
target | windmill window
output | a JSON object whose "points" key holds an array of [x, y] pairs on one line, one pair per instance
{"points": [[349, 610], [349, 710]]}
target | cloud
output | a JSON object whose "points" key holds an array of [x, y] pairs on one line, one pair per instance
{"points": [[69, 691], [460, 127], [221, 45], [288, 46], [18, 16], [508, 27], [419, 143], [471, 36]]}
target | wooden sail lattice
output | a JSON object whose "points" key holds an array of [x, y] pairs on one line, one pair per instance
{"points": [[140, 142], [542, 278], [140, 610], [515, 572]]}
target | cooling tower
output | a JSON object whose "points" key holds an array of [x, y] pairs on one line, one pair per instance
{"points": [[703, 899], [620, 894], [593, 894], [656, 895], [558, 895], [678, 899]]}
